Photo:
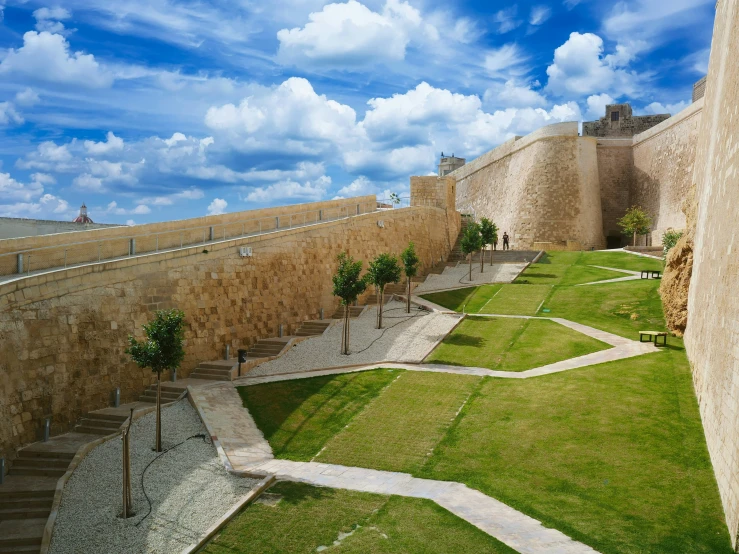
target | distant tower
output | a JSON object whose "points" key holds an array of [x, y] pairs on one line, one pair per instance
{"points": [[83, 217], [449, 164]]}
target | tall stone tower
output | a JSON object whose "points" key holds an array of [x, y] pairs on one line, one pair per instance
{"points": [[449, 164]]}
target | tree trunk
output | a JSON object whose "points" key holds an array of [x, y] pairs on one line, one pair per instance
{"points": [[408, 300], [634, 238], [482, 259], [470, 267], [491, 255], [343, 331], [380, 298], [158, 445]]}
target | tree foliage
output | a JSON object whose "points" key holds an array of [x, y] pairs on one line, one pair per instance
{"points": [[410, 267], [669, 239], [471, 241], [382, 271], [162, 350], [635, 222], [348, 285], [489, 234]]}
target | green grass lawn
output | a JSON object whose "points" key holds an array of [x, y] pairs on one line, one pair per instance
{"points": [[469, 300], [298, 417], [613, 456], [307, 518], [510, 344], [620, 260], [422, 405], [515, 300]]}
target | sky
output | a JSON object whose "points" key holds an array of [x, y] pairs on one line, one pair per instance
{"points": [[152, 110]]}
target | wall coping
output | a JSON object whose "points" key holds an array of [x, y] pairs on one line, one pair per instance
{"points": [[44, 279], [692, 110], [567, 129]]}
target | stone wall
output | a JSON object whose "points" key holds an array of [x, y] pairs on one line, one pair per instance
{"points": [[539, 188], [712, 334], [13, 227], [663, 169], [623, 125], [63, 334], [87, 246], [615, 175]]}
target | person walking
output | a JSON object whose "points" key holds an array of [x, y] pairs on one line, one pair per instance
{"points": [[506, 245]]}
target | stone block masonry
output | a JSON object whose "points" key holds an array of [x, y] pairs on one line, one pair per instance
{"points": [[63, 334]]}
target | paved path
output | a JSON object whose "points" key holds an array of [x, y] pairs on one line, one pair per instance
{"points": [[633, 275], [242, 444]]}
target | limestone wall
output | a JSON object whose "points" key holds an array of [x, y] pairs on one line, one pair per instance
{"points": [[663, 169], [63, 334], [712, 334], [539, 188], [615, 175]]}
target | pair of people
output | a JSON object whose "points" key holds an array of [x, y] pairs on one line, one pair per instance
{"points": [[506, 242]]}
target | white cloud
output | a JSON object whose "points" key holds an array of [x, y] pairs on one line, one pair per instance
{"points": [[112, 143], [310, 190], [351, 34], [653, 20], [130, 222], [217, 207], [47, 206], [657, 108], [168, 200], [47, 57], [359, 187], [10, 189], [48, 157], [539, 14], [512, 94], [506, 19], [49, 19], [113, 208], [27, 97], [505, 61], [597, 105], [579, 67], [89, 183], [9, 115]]}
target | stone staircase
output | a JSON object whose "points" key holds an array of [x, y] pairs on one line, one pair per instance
{"points": [[354, 311], [214, 371], [42, 463], [313, 328], [266, 348], [170, 394], [100, 423]]}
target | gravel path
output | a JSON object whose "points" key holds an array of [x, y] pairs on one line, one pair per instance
{"points": [[458, 277], [405, 338], [188, 487]]}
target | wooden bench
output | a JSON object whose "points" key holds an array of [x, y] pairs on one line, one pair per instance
{"points": [[647, 273], [653, 336]]}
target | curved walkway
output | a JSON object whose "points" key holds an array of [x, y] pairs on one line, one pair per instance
{"points": [[244, 450]]}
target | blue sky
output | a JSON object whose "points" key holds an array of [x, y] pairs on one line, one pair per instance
{"points": [[149, 110]]}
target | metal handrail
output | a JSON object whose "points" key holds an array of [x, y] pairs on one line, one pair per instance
{"points": [[25, 258]]}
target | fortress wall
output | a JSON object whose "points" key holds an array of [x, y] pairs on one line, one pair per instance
{"points": [[712, 334], [615, 175], [63, 334], [539, 188], [663, 169], [168, 234]]}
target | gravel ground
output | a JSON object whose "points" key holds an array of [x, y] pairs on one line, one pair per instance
{"points": [[458, 277], [188, 487], [404, 338]]}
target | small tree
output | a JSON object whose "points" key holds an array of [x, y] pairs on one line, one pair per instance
{"points": [[471, 241], [488, 232], [162, 350], [394, 198], [383, 270], [669, 239], [636, 222], [348, 285], [410, 267]]}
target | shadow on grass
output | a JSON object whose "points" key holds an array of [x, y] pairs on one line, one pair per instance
{"points": [[464, 340], [542, 275]]}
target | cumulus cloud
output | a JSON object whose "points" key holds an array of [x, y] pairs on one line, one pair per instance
{"points": [[50, 19], [170, 199], [27, 97], [9, 115], [579, 67], [112, 143], [47, 57], [352, 34], [48, 156], [113, 208], [597, 105], [47, 206], [10, 189], [512, 94], [309, 190], [217, 206], [656, 108]]}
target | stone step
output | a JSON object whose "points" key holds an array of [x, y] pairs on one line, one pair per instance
{"points": [[196, 375], [220, 364], [19, 549], [103, 425], [32, 453], [354, 311], [39, 472], [26, 495], [106, 417], [213, 372], [24, 512], [28, 502], [169, 395], [21, 533], [51, 463]]}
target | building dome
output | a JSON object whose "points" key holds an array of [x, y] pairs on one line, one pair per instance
{"points": [[83, 217]]}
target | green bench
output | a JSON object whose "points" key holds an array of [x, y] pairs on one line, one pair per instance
{"points": [[653, 336]]}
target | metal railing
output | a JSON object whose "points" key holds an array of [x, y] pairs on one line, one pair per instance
{"points": [[387, 203], [32, 261]]}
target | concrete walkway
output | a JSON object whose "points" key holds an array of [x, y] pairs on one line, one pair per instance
{"points": [[632, 275], [246, 451]]}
